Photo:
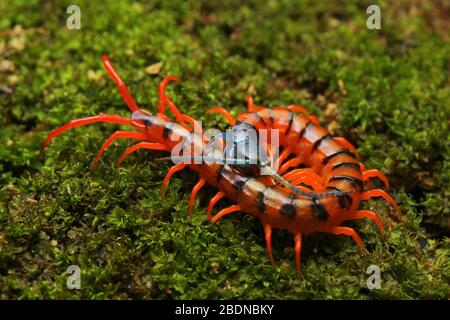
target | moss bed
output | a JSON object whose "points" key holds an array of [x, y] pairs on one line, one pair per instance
{"points": [[386, 90]]}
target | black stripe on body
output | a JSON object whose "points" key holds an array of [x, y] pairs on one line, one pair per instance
{"points": [[342, 151], [166, 132], [271, 118], [291, 119], [219, 173], [239, 185], [319, 141], [345, 201], [260, 119], [148, 123], [289, 208], [347, 165], [303, 131], [354, 181], [318, 210], [260, 204]]}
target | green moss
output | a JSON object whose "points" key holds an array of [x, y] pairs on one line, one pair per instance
{"points": [[391, 88]]}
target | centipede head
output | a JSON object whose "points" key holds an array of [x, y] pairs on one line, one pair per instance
{"points": [[141, 119]]}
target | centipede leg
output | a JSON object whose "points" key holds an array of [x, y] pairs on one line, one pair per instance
{"points": [[315, 185], [142, 145], [225, 113], [126, 95], [182, 118], [361, 214], [102, 117], [172, 107], [373, 173], [219, 195], [366, 195], [281, 158], [268, 236], [304, 175], [225, 211], [346, 144], [174, 169], [349, 232], [162, 95], [295, 108], [314, 120], [196, 188], [302, 172], [112, 138], [298, 249], [251, 105], [291, 163], [194, 123]]}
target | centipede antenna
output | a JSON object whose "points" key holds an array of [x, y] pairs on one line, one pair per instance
{"points": [[163, 159]]}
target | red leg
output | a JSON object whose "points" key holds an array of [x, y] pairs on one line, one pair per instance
{"points": [[311, 182], [198, 128], [142, 145], [344, 142], [250, 104], [282, 157], [113, 137], [366, 195], [182, 118], [162, 90], [307, 176], [299, 109], [361, 214], [172, 107], [298, 249], [291, 163], [224, 212], [314, 120], [219, 195], [127, 97], [268, 236], [225, 113], [174, 169], [375, 173], [349, 232], [108, 118], [295, 108], [308, 172], [196, 188]]}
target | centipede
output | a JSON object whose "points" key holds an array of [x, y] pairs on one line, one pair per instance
{"points": [[315, 184]]}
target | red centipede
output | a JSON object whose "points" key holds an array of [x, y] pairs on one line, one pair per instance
{"points": [[317, 197]]}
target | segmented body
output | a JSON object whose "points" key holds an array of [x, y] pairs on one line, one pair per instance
{"points": [[333, 172]]}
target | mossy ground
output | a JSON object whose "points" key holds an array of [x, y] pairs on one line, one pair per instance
{"points": [[387, 91]]}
